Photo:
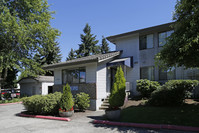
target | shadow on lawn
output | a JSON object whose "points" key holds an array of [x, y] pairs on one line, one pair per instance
{"points": [[116, 128], [126, 129]]}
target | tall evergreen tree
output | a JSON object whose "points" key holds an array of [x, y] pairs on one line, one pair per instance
{"points": [[104, 46], [24, 31], [117, 96], [48, 55], [71, 55], [88, 45]]}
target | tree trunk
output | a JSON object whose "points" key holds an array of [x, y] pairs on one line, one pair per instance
{"points": [[0, 84], [2, 79]]}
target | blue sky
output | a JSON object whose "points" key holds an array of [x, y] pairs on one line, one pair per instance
{"points": [[106, 18]]}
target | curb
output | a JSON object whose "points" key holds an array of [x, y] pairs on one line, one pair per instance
{"points": [[45, 117], [9, 103], [151, 126]]}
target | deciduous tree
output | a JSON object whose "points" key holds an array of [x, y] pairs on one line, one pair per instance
{"points": [[24, 31], [182, 47]]}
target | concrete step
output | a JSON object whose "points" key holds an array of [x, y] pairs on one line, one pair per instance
{"points": [[105, 104], [103, 107], [106, 100]]}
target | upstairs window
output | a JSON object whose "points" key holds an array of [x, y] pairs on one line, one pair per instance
{"points": [[146, 41], [167, 74], [74, 76], [162, 37], [147, 73]]}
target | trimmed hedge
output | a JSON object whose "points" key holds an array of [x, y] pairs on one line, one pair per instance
{"points": [[82, 101], [146, 87], [38, 104], [172, 92]]}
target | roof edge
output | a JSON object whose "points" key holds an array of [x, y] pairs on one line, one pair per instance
{"points": [[87, 59], [112, 38]]}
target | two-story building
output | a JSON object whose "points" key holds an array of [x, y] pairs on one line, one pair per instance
{"points": [[135, 52]]}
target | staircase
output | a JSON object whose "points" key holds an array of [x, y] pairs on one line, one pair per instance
{"points": [[105, 104]]}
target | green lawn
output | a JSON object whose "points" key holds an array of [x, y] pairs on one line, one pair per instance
{"points": [[10, 101], [187, 115]]}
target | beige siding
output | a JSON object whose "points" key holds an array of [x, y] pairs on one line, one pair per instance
{"points": [[101, 80], [130, 47], [58, 76], [91, 73]]}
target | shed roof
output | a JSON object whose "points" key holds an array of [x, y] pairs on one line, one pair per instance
{"points": [[87, 59], [40, 78]]}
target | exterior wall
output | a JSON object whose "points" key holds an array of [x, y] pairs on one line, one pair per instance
{"points": [[144, 58], [90, 73], [30, 87], [57, 76], [45, 87], [130, 47], [102, 82], [89, 88]]}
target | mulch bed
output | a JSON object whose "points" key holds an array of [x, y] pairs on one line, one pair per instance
{"points": [[76, 115]]}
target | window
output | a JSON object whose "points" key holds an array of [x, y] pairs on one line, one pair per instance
{"points": [[82, 76], [163, 36], [74, 76], [146, 41], [167, 74], [191, 74], [147, 73]]}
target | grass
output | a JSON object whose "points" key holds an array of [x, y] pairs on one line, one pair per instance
{"points": [[186, 115], [10, 101]]}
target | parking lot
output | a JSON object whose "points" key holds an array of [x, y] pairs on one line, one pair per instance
{"points": [[11, 123]]}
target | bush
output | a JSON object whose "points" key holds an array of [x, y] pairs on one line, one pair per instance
{"points": [[38, 104], [146, 87], [66, 102], [7, 95], [117, 96], [82, 101], [172, 93]]}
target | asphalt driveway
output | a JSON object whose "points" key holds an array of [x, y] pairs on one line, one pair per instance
{"points": [[11, 123]]}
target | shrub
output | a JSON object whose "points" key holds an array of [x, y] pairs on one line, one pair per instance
{"points": [[82, 101], [117, 96], [7, 95], [66, 102], [38, 104], [146, 87], [172, 93]]}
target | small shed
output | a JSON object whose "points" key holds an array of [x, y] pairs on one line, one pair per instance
{"points": [[41, 85]]}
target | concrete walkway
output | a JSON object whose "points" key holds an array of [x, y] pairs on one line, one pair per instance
{"points": [[11, 123]]}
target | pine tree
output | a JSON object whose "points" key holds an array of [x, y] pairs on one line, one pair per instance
{"points": [[104, 46], [88, 45], [66, 102], [117, 96], [71, 55]]}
